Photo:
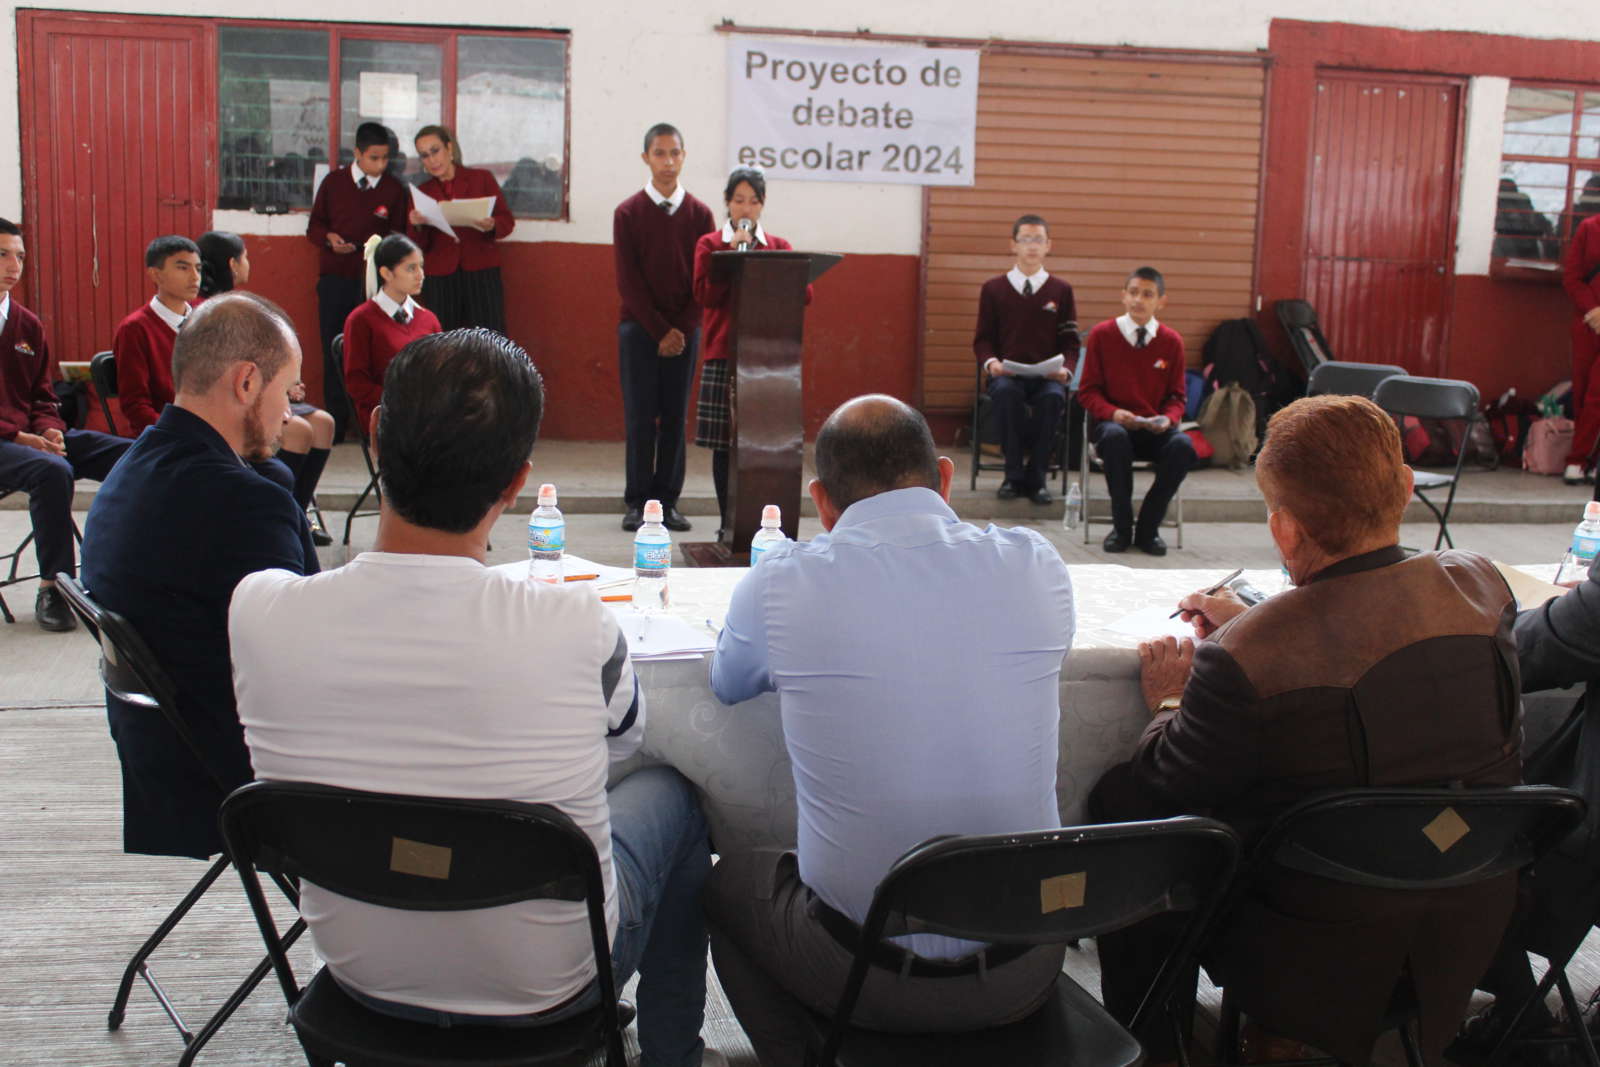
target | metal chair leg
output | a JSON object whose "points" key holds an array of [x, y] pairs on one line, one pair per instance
{"points": [[1507, 1039], [356, 508], [136, 966], [1409, 1043], [1227, 1050], [236, 998], [1575, 1014]]}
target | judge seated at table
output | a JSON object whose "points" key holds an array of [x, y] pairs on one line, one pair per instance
{"points": [[917, 661], [1377, 669]]}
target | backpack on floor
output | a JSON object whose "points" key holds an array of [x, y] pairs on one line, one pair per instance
{"points": [[1549, 441], [1509, 420], [1236, 353], [1228, 420]]}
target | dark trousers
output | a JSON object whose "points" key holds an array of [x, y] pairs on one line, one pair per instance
{"points": [[1027, 413], [655, 402], [337, 296], [47, 479], [1173, 455], [775, 960], [466, 298]]}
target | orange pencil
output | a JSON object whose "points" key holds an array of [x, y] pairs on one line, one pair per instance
{"points": [[580, 577], [615, 599]]}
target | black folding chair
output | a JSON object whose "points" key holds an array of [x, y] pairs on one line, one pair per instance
{"points": [[131, 674], [1405, 839], [982, 434], [373, 489], [13, 561], [1299, 321], [103, 373], [1334, 378], [1089, 465], [1051, 886], [1432, 398], [459, 855]]}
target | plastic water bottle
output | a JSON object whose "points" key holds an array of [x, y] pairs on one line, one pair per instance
{"points": [[1585, 544], [770, 533], [1073, 514], [547, 538], [652, 561]]}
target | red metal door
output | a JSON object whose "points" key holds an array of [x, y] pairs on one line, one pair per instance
{"points": [[1381, 226], [117, 149]]}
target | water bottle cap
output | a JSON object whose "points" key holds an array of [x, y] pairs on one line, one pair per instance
{"points": [[652, 511], [1591, 511], [547, 495], [771, 515]]}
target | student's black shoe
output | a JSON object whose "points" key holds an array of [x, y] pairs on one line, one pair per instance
{"points": [[1041, 496], [319, 536], [1116, 541], [633, 519], [673, 519], [1007, 491], [626, 1013], [1480, 1035], [50, 611], [1152, 546]]}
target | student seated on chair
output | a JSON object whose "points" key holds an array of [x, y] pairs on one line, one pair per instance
{"points": [[1377, 669], [1025, 315], [378, 700], [386, 323], [898, 732], [143, 341], [178, 521], [38, 454], [1133, 390]]}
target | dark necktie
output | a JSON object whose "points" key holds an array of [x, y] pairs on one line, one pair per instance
{"points": [[1027, 288], [401, 317], [666, 205], [1139, 336], [364, 184]]}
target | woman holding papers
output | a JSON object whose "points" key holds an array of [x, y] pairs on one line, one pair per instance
{"points": [[378, 329], [463, 286], [745, 195]]}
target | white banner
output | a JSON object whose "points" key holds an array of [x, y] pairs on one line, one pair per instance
{"points": [[852, 113]]}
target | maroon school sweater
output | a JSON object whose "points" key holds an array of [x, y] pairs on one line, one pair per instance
{"points": [[143, 344], [371, 340], [1146, 381], [354, 214], [655, 261], [27, 403], [1027, 329], [473, 249]]}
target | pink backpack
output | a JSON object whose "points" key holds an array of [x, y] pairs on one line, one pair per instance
{"points": [[1549, 441]]}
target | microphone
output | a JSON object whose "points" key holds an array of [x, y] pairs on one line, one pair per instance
{"points": [[746, 226]]}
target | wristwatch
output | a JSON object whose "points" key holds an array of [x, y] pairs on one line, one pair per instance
{"points": [[1167, 704]]}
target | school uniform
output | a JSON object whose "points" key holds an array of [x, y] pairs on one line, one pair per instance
{"points": [[143, 347], [653, 238], [1580, 275], [355, 207], [462, 283], [1027, 319], [374, 334]]}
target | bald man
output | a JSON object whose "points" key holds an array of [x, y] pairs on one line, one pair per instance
{"points": [[886, 713]]}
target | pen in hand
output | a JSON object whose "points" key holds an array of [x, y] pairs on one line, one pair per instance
{"points": [[1212, 590]]}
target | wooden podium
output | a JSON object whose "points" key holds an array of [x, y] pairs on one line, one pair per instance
{"points": [[766, 326]]}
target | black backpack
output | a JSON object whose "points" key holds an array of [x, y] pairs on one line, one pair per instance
{"points": [[1237, 352]]}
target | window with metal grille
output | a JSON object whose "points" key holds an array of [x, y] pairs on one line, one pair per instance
{"points": [[1549, 173]]}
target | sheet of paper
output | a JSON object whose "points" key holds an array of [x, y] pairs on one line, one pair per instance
{"points": [[574, 567], [466, 212], [653, 637], [1034, 370], [1529, 591], [1147, 624], [429, 207], [318, 172]]}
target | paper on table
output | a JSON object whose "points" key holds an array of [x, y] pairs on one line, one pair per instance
{"points": [[661, 636], [572, 566], [1529, 591], [1149, 623], [468, 211], [1034, 370], [429, 207]]}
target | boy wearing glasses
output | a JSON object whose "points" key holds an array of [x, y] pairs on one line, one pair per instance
{"points": [[1026, 316]]}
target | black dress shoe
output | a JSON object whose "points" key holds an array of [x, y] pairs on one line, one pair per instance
{"points": [[1116, 541], [673, 519], [1152, 546], [50, 611], [1007, 491], [626, 1013], [633, 519], [1041, 495]]}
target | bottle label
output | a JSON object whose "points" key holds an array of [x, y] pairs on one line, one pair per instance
{"points": [[1585, 548], [547, 538], [756, 552], [652, 557]]}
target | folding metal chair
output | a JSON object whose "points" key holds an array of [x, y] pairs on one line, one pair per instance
{"points": [[373, 489], [982, 420], [103, 373], [1046, 887], [131, 674], [1299, 321], [484, 853], [1405, 839], [1334, 378], [13, 561], [1089, 463], [1432, 398]]}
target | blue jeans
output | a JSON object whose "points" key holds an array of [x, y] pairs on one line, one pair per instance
{"points": [[661, 859]]}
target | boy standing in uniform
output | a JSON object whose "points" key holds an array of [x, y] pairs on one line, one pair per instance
{"points": [[1026, 316], [352, 204]]}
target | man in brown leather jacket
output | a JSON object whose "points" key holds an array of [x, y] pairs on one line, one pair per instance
{"points": [[1377, 669]]}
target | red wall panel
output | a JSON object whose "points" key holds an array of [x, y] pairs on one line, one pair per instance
{"points": [[561, 305]]}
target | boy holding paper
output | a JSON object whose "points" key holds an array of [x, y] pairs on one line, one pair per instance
{"points": [[1026, 316], [463, 286], [1133, 387]]}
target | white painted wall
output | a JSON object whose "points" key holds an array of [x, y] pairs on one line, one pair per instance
{"points": [[639, 62], [1480, 173]]}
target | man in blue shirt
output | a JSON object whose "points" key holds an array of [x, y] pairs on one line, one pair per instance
{"points": [[917, 660]]}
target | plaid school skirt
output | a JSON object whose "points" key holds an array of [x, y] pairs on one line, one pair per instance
{"points": [[713, 423]]}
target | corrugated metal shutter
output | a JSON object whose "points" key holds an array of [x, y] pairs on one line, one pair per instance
{"points": [[1133, 161]]}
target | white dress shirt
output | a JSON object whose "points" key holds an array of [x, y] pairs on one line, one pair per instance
{"points": [[728, 231], [386, 302], [5, 311], [167, 315], [1016, 278], [1130, 329], [673, 201], [358, 176]]}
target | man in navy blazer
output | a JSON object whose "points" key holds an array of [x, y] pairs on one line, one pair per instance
{"points": [[172, 530]]}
